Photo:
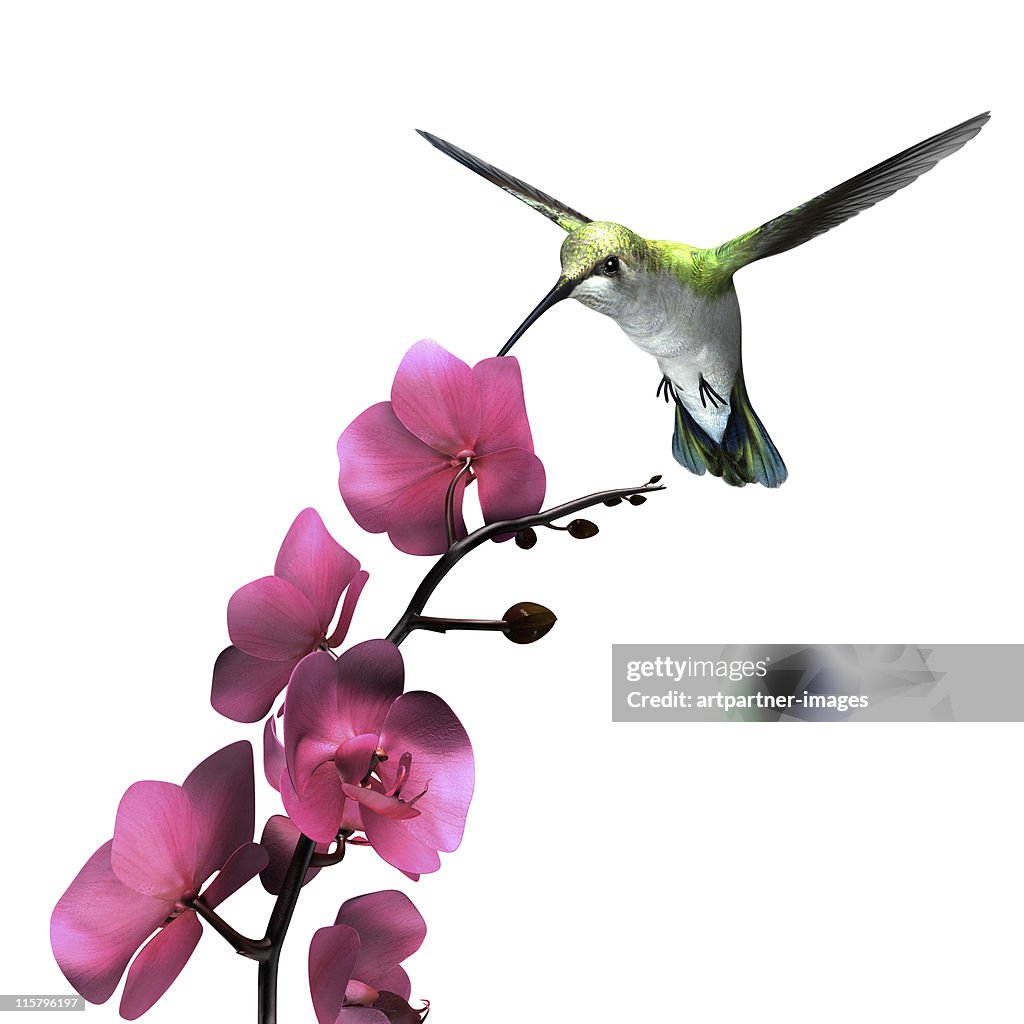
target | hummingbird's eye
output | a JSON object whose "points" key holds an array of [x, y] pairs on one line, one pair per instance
{"points": [[611, 266]]}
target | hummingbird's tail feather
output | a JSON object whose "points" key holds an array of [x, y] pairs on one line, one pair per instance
{"points": [[746, 454], [746, 444]]}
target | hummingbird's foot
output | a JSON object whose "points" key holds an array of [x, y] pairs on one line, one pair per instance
{"points": [[707, 391], [669, 392]]}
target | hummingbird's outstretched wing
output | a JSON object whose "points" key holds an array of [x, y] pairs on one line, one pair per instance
{"points": [[842, 202], [564, 216]]}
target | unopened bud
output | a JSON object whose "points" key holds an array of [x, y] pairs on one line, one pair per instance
{"points": [[526, 538], [527, 622], [636, 499], [582, 529]]}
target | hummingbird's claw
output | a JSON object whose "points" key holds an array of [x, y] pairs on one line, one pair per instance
{"points": [[707, 391], [667, 385]]}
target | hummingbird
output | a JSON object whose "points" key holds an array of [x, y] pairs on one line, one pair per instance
{"points": [[678, 303]]}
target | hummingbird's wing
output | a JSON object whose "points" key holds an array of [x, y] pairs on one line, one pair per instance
{"points": [[840, 203], [564, 216]]}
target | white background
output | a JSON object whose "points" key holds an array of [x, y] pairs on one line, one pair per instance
{"points": [[219, 235]]}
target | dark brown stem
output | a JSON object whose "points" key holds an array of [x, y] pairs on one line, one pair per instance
{"points": [[449, 503], [457, 551]]}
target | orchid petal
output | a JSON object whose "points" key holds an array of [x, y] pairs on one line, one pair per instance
{"points": [[331, 701], [159, 963], [279, 839], [416, 519], [379, 803], [273, 753], [421, 724], [98, 924], [436, 398], [511, 483], [396, 981], [312, 560], [332, 955], [380, 459], [318, 813], [271, 618], [394, 843], [370, 676], [313, 725], [244, 687], [504, 423], [354, 757], [361, 1015], [348, 607], [223, 797], [242, 866], [154, 845], [396, 1009], [390, 930]]}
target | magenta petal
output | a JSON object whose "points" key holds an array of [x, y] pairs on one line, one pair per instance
{"points": [[378, 803], [244, 864], [397, 981], [332, 701], [314, 725], [395, 844], [504, 423], [390, 930], [318, 813], [223, 799], [370, 676], [159, 963], [423, 725], [154, 845], [279, 839], [380, 459], [348, 608], [312, 560], [273, 753], [436, 398], [271, 618], [361, 1015], [332, 955], [511, 484], [416, 519], [354, 757], [244, 687], [98, 924]]}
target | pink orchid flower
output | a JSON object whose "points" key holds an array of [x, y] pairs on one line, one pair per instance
{"points": [[168, 840], [354, 972], [399, 458], [361, 755], [276, 621]]}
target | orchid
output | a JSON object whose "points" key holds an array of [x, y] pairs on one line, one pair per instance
{"points": [[168, 840], [274, 622], [361, 755], [354, 972], [407, 462]]}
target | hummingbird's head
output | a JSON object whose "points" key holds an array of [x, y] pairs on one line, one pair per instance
{"points": [[602, 266]]}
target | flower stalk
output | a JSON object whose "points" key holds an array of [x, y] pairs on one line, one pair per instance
{"points": [[457, 551]]}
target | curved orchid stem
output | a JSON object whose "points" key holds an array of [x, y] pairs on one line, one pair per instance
{"points": [[254, 949], [460, 548], [449, 502], [326, 860]]}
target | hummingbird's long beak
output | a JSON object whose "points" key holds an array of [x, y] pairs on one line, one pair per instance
{"points": [[560, 291]]}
